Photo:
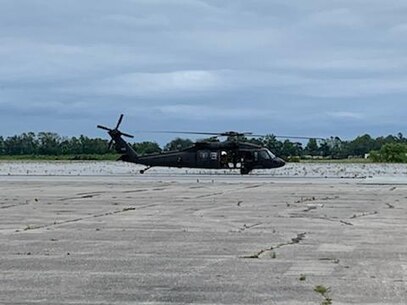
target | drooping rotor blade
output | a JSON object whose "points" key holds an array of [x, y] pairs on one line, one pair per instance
{"points": [[126, 135], [227, 134], [300, 137], [288, 137], [119, 121], [235, 134], [180, 132], [218, 134], [103, 127]]}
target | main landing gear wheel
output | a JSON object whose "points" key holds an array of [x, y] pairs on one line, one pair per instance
{"points": [[244, 171]]}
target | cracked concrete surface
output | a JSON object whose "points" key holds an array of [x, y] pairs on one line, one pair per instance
{"points": [[171, 240]]}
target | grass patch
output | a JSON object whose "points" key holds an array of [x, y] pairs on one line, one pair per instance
{"points": [[28, 227], [323, 291]]}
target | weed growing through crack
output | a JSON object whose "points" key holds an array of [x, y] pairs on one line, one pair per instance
{"points": [[302, 277], [323, 291]]}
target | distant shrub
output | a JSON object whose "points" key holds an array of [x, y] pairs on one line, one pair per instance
{"points": [[295, 159], [391, 152]]}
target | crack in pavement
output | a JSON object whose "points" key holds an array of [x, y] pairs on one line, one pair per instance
{"points": [[55, 223], [14, 205], [363, 214], [299, 216], [207, 195], [313, 198], [295, 240], [310, 208], [246, 227], [80, 197], [253, 186], [135, 191]]}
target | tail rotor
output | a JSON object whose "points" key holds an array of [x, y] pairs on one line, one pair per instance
{"points": [[115, 133]]}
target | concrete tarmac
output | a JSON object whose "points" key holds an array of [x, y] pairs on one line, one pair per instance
{"points": [[191, 239]]}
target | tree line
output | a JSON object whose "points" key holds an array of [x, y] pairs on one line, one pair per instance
{"points": [[392, 148]]}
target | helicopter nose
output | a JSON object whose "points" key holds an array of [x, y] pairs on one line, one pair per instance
{"points": [[279, 162]]}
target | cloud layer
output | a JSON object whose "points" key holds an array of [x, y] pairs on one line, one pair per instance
{"points": [[293, 67]]}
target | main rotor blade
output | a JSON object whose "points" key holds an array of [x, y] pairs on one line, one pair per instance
{"points": [[227, 134], [120, 121], [103, 127], [235, 134], [300, 137], [288, 137], [181, 132], [218, 134]]}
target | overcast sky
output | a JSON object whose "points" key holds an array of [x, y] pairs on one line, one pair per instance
{"points": [[314, 67]]}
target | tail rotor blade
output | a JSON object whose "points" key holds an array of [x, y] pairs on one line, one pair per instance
{"points": [[120, 121], [126, 135], [103, 127], [115, 133]]}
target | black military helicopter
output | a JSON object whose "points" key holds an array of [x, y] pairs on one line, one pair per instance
{"points": [[229, 154]]}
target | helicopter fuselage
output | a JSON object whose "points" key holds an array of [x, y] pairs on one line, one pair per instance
{"points": [[230, 154], [214, 155]]}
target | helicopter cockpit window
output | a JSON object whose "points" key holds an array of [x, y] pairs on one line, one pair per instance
{"points": [[266, 154], [270, 154]]}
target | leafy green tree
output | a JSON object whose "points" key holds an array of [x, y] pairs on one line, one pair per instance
{"points": [[2, 151], [391, 152], [401, 138], [361, 145], [73, 146], [178, 144], [312, 147], [274, 145], [28, 143], [146, 147], [325, 149], [93, 146], [291, 149], [338, 148], [12, 145], [48, 143], [256, 141]]}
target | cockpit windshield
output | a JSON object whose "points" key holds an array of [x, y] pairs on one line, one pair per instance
{"points": [[266, 154], [271, 154]]}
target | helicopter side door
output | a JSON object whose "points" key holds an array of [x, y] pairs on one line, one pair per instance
{"points": [[207, 159], [249, 158]]}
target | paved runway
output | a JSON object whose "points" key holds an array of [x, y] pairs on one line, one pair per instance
{"points": [[165, 239]]}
